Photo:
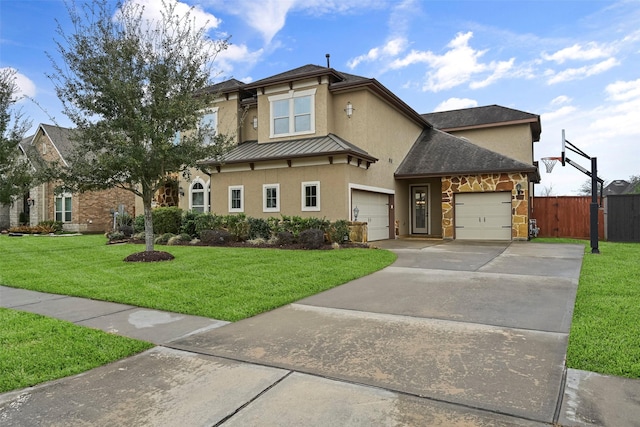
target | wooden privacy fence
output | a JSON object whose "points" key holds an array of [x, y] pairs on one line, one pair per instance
{"points": [[623, 218], [565, 216]]}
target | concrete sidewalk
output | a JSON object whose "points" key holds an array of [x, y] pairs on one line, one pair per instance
{"points": [[451, 334]]}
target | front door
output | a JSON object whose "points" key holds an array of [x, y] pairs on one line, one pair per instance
{"points": [[420, 209]]}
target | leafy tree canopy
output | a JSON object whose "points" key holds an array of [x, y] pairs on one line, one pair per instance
{"points": [[15, 177], [128, 85]]}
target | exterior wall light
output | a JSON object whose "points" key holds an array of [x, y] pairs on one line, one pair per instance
{"points": [[356, 211], [349, 110]]}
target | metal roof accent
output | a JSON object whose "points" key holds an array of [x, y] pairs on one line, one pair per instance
{"points": [[252, 151]]}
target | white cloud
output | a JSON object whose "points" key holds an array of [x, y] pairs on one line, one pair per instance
{"points": [[500, 70], [390, 49], [564, 111], [623, 91], [266, 16], [24, 85], [239, 54], [456, 104], [582, 72], [559, 100], [579, 53], [153, 12]]}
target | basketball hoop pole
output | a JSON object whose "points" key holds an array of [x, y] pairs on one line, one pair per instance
{"points": [[593, 208]]}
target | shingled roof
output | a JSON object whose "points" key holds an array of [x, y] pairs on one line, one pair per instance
{"points": [[437, 153], [490, 115], [327, 145]]}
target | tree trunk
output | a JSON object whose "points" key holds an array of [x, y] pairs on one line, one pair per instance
{"points": [[147, 196]]}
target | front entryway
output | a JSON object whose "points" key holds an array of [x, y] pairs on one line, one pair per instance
{"points": [[420, 210], [483, 216]]}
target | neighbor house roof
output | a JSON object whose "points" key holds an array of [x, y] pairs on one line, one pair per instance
{"points": [[620, 186], [437, 153], [60, 137], [251, 151], [479, 117]]}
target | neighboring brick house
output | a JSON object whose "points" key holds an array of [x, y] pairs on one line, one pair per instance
{"points": [[82, 212], [314, 141]]}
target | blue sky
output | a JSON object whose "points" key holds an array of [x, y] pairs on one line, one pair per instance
{"points": [[576, 63]]}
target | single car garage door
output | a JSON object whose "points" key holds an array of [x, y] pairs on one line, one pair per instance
{"points": [[483, 216], [373, 208]]}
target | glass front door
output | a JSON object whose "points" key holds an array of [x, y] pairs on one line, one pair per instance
{"points": [[420, 210]]}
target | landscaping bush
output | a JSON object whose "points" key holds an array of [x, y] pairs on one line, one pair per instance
{"points": [[127, 230], [51, 226], [138, 224], [115, 236], [189, 221], [312, 238], [180, 239], [284, 238], [207, 221], [167, 220], [259, 229], [339, 231], [215, 237], [238, 226], [163, 239]]}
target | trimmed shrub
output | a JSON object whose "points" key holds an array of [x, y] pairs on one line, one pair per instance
{"points": [[115, 236], [238, 226], [207, 221], [188, 224], [127, 230], [163, 239], [313, 238], [215, 237], [339, 231], [259, 228], [284, 238], [138, 224], [167, 220]]}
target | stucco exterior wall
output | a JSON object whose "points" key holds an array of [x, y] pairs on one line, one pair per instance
{"points": [[512, 141], [403, 198], [333, 188], [488, 183]]}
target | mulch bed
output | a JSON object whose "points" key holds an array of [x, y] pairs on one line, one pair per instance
{"points": [[149, 256]]}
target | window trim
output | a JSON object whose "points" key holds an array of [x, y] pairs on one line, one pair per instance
{"points": [[291, 95], [203, 113], [231, 189], [205, 190], [303, 203], [63, 212], [264, 197]]}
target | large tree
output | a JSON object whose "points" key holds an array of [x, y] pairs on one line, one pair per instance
{"points": [[15, 176], [129, 85]]}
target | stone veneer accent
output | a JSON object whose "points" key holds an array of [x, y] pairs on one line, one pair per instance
{"points": [[488, 183]]}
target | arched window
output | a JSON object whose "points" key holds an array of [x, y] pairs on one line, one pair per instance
{"points": [[197, 197]]}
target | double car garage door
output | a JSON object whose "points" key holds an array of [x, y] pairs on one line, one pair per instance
{"points": [[483, 216]]}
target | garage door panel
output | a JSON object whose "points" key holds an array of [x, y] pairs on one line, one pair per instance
{"points": [[483, 216], [374, 210]]}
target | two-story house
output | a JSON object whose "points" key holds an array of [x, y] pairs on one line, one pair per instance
{"points": [[83, 212], [314, 141]]}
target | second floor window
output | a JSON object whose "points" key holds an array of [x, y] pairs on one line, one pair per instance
{"points": [[293, 113], [209, 125]]}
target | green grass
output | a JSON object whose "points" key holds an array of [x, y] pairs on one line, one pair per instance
{"points": [[605, 332], [221, 283], [34, 349]]}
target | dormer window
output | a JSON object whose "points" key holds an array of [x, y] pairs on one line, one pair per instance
{"points": [[292, 113]]}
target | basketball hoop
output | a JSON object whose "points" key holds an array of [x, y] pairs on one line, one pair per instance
{"points": [[550, 162]]}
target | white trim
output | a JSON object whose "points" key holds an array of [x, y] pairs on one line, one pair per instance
{"points": [[63, 213], [264, 197], [241, 208], [411, 212], [291, 95], [303, 197], [365, 188], [206, 111], [205, 199]]}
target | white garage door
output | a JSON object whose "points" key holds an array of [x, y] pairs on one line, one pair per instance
{"points": [[483, 216], [374, 210]]}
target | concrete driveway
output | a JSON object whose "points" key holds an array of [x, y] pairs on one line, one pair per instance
{"points": [[468, 334]]}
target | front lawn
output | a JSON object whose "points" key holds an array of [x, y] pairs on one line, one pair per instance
{"points": [[605, 332], [34, 349], [220, 283]]}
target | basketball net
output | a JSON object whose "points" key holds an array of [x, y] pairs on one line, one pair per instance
{"points": [[549, 162]]}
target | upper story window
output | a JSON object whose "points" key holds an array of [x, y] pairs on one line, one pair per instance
{"points": [[292, 113], [209, 124]]}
